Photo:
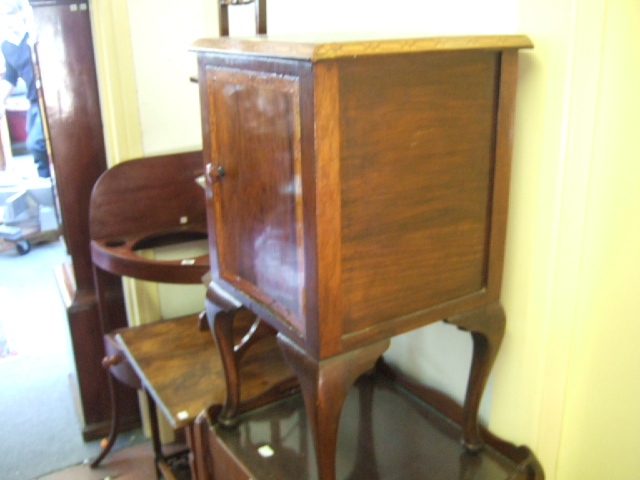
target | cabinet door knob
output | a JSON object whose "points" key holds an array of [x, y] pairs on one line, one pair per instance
{"points": [[112, 360], [215, 174]]}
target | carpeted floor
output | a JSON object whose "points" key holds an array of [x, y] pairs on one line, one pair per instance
{"points": [[6, 345], [39, 427]]}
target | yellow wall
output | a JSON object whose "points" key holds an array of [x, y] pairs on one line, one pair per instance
{"points": [[601, 423], [116, 79], [169, 105], [565, 382], [566, 378]]}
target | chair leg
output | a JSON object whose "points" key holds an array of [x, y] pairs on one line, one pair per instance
{"points": [[158, 456], [115, 424]]}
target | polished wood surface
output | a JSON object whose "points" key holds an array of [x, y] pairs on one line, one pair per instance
{"points": [[254, 238], [486, 325], [112, 315], [224, 325], [70, 90], [180, 366], [359, 190], [385, 433], [72, 110], [416, 185], [123, 198], [174, 361], [372, 210], [130, 212], [322, 46], [181, 371], [325, 386], [528, 466]]}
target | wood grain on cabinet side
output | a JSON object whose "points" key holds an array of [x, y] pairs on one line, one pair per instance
{"points": [[329, 207], [417, 156]]}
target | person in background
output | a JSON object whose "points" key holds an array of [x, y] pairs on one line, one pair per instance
{"points": [[16, 48]]}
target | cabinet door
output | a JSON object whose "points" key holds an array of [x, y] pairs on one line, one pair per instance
{"points": [[255, 168]]}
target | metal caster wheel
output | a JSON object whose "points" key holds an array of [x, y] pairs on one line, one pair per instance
{"points": [[23, 247]]}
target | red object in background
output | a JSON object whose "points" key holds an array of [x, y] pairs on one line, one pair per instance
{"points": [[16, 109]]}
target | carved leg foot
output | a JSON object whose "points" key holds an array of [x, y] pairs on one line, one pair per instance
{"points": [[115, 424], [486, 325], [324, 386], [235, 331], [222, 328]]}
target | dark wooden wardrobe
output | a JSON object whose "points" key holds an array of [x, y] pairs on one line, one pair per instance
{"points": [[72, 110]]}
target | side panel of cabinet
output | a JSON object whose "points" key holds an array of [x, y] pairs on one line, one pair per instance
{"points": [[256, 170], [417, 161]]}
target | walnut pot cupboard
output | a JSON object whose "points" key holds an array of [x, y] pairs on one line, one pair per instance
{"points": [[358, 189]]}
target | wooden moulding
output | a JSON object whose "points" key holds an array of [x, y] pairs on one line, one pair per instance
{"points": [[323, 47]]}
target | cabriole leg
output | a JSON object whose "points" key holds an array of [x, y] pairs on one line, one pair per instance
{"points": [[324, 387], [487, 326], [222, 329]]}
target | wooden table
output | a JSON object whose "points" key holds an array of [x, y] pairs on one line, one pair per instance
{"points": [[180, 369]]}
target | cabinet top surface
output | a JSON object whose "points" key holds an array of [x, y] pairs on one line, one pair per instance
{"points": [[335, 45]]}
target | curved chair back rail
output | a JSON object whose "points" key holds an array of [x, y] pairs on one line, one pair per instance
{"points": [[124, 261], [146, 203], [148, 195]]}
